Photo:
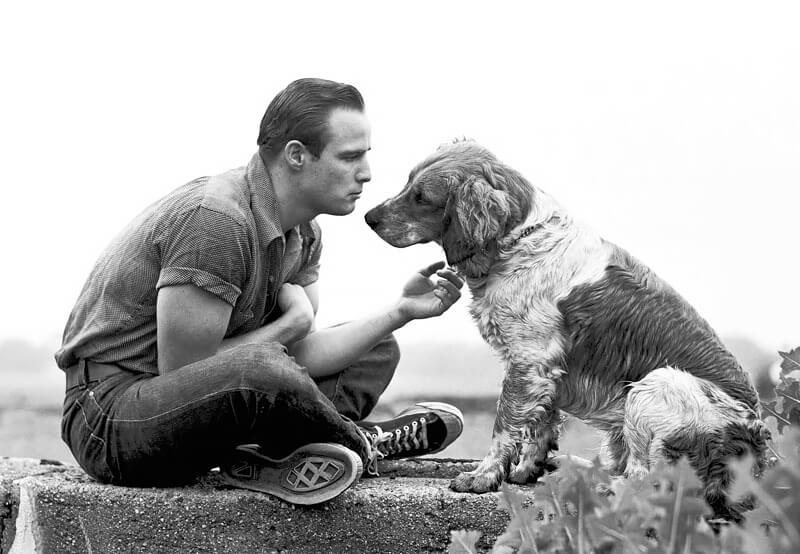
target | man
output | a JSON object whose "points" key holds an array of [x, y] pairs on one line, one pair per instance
{"points": [[192, 344]]}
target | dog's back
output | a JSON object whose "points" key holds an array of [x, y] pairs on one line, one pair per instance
{"points": [[644, 352], [631, 322]]}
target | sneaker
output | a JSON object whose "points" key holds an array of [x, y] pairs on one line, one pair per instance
{"points": [[424, 428], [312, 474]]}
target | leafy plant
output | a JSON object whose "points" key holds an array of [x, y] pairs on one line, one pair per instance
{"points": [[579, 510], [786, 406], [774, 525]]}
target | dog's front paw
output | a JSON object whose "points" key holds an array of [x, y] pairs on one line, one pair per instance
{"points": [[476, 481], [523, 475]]}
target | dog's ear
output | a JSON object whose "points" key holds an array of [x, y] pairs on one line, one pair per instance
{"points": [[474, 215]]}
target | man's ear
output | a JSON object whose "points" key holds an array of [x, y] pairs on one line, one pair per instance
{"points": [[475, 214], [294, 153]]}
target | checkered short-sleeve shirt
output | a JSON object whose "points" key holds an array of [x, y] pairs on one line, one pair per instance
{"points": [[219, 233]]}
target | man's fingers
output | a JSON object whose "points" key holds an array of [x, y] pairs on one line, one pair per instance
{"points": [[444, 297], [451, 276], [450, 289], [431, 269]]}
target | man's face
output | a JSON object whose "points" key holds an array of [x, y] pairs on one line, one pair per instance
{"points": [[336, 179]]}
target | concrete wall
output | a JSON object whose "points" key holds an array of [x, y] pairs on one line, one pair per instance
{"points": [[50, 508]]}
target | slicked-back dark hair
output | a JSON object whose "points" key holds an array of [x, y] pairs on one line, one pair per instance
{"points": [[301, 111]]}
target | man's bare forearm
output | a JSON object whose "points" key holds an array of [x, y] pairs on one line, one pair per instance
{"points": [[331, 350]]}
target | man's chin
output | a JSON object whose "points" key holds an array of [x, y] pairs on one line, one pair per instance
{"points": [[343, 209]]}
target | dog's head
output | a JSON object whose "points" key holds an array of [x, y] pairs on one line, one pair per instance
{"points": [[460, 197]]}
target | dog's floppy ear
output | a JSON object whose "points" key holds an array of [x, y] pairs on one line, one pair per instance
{"points": [[474, 215]]}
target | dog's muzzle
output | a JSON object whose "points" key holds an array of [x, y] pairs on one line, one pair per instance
{"points": [[372, 219]]}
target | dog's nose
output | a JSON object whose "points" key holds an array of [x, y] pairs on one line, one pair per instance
{"points": [[372, 219]]}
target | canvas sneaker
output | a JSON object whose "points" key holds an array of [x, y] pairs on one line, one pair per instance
{"points": [[312, 474], [424, 428]]}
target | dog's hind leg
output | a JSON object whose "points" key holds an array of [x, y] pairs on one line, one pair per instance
{"points": [[614, 451], [639, 445], [647, 408], [670, 413]]}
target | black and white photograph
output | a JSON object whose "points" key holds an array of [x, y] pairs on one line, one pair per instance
{"points": [[463, 277]]}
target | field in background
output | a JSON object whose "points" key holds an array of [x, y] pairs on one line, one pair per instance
{"points": [[30, 404], [30, 414], [467, 375], [34, 433]]}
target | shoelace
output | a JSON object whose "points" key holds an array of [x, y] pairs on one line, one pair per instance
{"points": [[384, 443]]}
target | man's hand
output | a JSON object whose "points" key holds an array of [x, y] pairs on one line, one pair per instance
{"points": [[423, 298], [296, 308], [328, 351], [294, 324]]}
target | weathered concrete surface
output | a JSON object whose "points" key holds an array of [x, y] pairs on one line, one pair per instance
{"points": [[58, 508]]}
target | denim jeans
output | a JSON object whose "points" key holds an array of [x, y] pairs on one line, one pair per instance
{"points": [[150, 430]]}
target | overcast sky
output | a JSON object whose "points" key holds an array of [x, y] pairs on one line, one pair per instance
{"points": [[672, 130]]}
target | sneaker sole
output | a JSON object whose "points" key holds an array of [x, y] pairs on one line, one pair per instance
{"points": [[451, 430], [312, 474]]}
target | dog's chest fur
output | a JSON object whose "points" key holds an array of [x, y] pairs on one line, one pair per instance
{"points": [[516, 307], [565, 299]]}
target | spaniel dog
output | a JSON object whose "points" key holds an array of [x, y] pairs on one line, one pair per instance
{"points": [[581, 326]]}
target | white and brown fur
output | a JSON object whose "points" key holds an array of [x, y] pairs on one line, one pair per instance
{"points": [[581, 326]]}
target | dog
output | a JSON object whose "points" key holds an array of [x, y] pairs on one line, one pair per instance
{"points": [[581, 327]]}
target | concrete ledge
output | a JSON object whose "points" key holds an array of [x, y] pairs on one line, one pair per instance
{"points": [[50, 508]]}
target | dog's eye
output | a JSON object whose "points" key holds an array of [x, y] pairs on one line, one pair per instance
{"points": [[418, 198]]}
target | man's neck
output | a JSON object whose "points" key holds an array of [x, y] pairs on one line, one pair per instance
{"points": [[293, 210]]}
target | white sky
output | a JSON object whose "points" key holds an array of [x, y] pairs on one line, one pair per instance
{"points": [[673, 130]]}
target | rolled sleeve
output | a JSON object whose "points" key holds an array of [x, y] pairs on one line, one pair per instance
{"points": [[208, 249], [171, 276]]}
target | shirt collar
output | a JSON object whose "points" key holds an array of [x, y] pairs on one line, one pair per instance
{"points": [[263, 200]]}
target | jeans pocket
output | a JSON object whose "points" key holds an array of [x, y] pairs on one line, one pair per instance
{"points": [[84, 430]]}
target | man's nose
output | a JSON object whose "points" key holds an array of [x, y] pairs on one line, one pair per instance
{"points": [[364, 174]]}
